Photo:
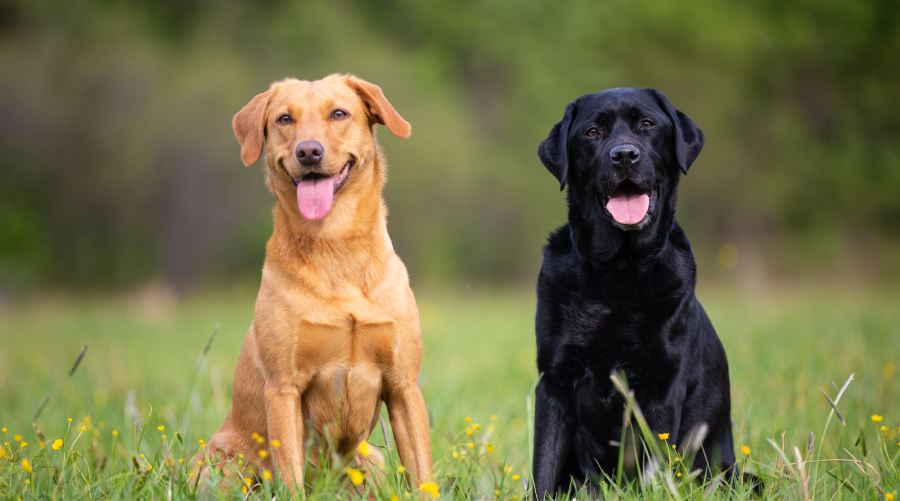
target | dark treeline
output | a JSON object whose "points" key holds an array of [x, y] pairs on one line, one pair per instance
{"points": [[118, 166]]}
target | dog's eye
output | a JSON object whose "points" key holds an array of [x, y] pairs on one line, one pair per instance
{"points": [[339, 114], [647, 124], [284, 119], [592, 132]]}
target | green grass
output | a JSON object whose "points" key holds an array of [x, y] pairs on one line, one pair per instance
{"points": [[144, 369]]}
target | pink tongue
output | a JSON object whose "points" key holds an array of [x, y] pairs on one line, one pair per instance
{"points": [[628, 209], [315, 196]]}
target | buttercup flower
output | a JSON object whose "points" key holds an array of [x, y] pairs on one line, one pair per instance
{"points": [[430, 488], [161, 428], [663, 436], [745, 450], [356, 477], [26, 465], [267, 475], [364, 449], [263, 453], [877, 418], [57, 444], [275, 443]]}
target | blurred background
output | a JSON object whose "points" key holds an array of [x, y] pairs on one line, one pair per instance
{"points": [[118, 167]]}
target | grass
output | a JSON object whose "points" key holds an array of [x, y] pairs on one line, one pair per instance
{"points": [[145, 395]]}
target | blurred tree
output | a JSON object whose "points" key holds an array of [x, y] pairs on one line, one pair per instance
{"points": [[118, 165]]}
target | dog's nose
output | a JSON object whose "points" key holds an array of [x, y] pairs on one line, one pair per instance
{"points": [[624, 154], [310, 152]]}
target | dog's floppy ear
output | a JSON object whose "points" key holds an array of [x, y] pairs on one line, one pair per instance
{"points": [[249, 126], [688, 137], [553, 150], [378, 107]]}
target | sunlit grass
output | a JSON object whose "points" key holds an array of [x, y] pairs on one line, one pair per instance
{"points": [[132, 419]]}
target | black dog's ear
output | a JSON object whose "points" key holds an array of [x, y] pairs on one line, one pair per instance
{"points": [[553, 149], [688, 137]]}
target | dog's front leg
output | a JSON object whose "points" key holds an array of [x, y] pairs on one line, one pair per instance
{"points": [[285, 424], [553, 434], [409, 421]]}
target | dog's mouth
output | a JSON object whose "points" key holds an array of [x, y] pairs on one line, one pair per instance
{"points": [[630, 206], [316, 191]]}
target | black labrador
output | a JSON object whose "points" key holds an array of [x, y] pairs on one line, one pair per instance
{"points": [[616, 293]]}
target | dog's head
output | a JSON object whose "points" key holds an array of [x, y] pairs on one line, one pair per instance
{"points": [[621, 151], [314, 135]]}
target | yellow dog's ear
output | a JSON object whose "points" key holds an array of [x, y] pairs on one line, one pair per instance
{"points": [[378, 107], [249, 126]]}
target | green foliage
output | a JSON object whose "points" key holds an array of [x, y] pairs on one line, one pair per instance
{"points": [[119, 165], [145, 369]]}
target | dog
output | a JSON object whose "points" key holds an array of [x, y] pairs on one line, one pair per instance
{"points": [[335, 329], [616, 294]]}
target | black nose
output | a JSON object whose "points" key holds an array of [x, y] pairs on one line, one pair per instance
{"points": [[310, 153], [624, 154]]}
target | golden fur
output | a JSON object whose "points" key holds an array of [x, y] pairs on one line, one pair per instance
{"points": [[335, 328]]}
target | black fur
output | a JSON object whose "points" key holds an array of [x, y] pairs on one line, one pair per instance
{"points": [[621, 298]]}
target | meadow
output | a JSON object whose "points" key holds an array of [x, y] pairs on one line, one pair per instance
{"points": [[154, 383]]}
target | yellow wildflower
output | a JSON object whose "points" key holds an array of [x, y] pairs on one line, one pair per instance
{"points": [[23, 444], [26, 465], [263, 453], [470, 445], [57, 444], [889, 496], [267, 475], [489, 448], [745, 450], [2, 452], [394, 498], [476, 426], [469, 431], [17, 437], [201, 443], [677, 474], [456, 454], [467, 419], [275, 443], [356, 477], [3, 429], [244, 489], [430, 488], [247, 481], [69, 420], [401, 469], [364, 449], [115, 433], [883, 428], [663, 436], [82, 428], [877, 418], [507, 469], [161, 428], [493, 417], [180, 460], [516, 477]]}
